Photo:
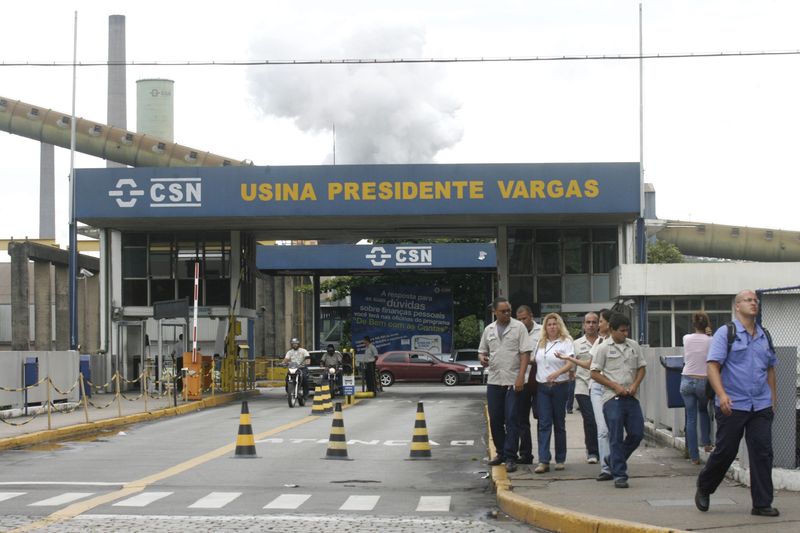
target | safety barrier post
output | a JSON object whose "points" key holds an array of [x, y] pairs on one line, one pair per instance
{"points": [[83, 393], [119, 396], [144, 389], [49, 404]]}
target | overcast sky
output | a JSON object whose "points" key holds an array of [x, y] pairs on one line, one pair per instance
{"points": [[720, 135]]}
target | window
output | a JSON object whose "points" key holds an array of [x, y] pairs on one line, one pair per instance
{"points": [[568, 265], [395, 358], [161, 266], [668, 315]]}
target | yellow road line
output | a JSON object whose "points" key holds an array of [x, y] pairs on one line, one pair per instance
{"points": [[71, 511]]}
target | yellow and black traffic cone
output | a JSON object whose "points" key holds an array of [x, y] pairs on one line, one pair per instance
{"points": [[327, 404], [318, 408], [420, 447], [245, 443], [337, 442]]}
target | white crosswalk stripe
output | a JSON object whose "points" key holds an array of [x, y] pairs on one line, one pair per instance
{"points": [[61, 499], [143, 499], [360, 503], [215, 500], [436, 504], [218, 500], [288, 501]]}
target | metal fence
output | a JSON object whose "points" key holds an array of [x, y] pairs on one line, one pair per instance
{"points": [[780, 314]]}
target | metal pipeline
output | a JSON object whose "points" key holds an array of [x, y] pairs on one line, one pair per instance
{"points": [[729, 242], [100, 140]]}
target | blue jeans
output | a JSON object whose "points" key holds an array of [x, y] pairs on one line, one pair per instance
{"points": [[501, 401], [552, 407], [693, 391], [625, 431]]}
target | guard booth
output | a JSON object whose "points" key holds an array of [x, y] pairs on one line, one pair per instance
{"points": [[130, 354], [173, 327]]}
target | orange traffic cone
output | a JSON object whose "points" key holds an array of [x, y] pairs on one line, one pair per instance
{"points": [[245, 443], [420, 447], [337, 442]]}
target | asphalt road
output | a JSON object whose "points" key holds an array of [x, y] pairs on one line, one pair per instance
{"points": [[181, 474]]}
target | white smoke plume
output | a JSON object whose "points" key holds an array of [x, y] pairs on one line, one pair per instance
{"points": [[382, 113]]}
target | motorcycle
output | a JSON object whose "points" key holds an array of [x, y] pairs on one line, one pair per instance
{"points": [[294, 385], [333, 379]]}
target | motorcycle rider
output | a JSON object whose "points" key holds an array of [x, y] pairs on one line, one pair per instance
{"points": [[299, 356], [332, 358]]}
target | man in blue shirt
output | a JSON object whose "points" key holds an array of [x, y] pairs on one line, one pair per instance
{"points": [[744, 381]]}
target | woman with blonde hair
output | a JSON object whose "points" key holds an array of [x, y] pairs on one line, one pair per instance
{"points": [[552, 377]]}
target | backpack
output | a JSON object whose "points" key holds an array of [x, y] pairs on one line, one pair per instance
{"points": [[732, 337]]}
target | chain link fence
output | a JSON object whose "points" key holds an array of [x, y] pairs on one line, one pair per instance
{"points": [[780, 314]]}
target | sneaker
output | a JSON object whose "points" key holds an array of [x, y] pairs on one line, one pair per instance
{"points": [[621, 483], [592, 460], [497, 461], [604, 476], [560, 466], [511, 466], [541, 468]]}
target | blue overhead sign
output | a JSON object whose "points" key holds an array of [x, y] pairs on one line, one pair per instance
{"points": [[356, 190], [346, 257]]}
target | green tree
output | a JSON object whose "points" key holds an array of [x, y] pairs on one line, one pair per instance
{"points": [[467, 333], [663, 252]]}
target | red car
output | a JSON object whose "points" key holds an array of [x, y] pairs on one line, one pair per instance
{"points": [[418, 366]]}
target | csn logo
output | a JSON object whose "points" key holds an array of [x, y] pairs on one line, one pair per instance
{"points": [[162, 192], [404, 256]]}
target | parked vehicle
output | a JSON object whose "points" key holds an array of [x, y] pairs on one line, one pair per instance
{"points": [[418, 366], [294, 385], [469, 357]]}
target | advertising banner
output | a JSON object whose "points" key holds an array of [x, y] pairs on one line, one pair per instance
{"points": [[403, 318]]}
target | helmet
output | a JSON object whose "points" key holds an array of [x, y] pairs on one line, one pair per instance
{"points": [[294, 340]]}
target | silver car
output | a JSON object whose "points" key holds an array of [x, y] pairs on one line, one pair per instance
{"points": [[469, 358]]}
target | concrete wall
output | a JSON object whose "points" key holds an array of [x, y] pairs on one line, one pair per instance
{"points": [[701, 279]]}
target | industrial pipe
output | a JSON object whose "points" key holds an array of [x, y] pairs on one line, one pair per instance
{"points": [[100, 140]]}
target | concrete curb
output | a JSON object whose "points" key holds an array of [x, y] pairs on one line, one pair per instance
{"points": [[540, 514], [109, 423]]}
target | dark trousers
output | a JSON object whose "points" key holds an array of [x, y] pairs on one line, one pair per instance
{"points": [[369, 375], [570, 395], [625, 431], [501, 401], [524, 403], [756, 426], [589, 425]]}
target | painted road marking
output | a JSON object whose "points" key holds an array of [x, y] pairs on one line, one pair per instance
{"points": [[360, 503], [215, 500], [8, 495], [61, 499], [139, 485], [434, 504], [288, 501], [140, 500]]}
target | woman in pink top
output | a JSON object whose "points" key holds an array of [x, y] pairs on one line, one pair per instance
{"points": [[693, 385]]}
